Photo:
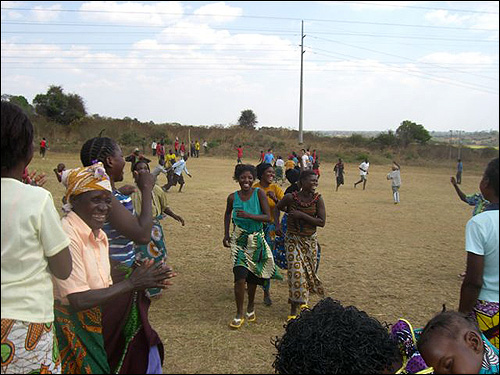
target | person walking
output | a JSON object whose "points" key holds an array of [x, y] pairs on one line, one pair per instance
{"points": [[460, 169], [339, 173]]}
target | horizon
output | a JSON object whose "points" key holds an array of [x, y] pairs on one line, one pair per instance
{"points": [[371, 65]]}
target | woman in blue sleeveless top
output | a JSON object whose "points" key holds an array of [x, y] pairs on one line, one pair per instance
{"points": [[253, 261]]}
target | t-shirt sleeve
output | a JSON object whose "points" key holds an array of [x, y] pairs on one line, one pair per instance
{"points": [[474, 238], [52, 236], [77, 281]]}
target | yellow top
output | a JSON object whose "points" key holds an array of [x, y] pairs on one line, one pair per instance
{"points": [[278, 192], [289, 164]]}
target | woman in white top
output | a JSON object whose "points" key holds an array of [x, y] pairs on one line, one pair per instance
{"points": [[32, 239]]}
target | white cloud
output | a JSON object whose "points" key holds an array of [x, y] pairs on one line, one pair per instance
{"points": [[154, 14], [12, 15], [45, 14], [218, 13], [466, 58]]}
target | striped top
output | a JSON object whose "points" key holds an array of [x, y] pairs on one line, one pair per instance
{"points": [[121, 249]]}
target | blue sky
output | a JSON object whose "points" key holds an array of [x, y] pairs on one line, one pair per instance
{"points": [[367, 65]]}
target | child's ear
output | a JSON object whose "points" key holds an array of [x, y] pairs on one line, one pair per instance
{"points": [[474, 341]]}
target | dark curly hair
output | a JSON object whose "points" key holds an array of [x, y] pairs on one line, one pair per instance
{"points": [[17, 135], [240, 168], [447, 323], [261, 168], [97, 149], [491, 173], [305, 174], [333, 339]]}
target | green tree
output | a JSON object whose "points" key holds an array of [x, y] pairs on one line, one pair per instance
{"points": [[60, 107], [20, 101], [386, 139], [248, 119], [409, 132]]}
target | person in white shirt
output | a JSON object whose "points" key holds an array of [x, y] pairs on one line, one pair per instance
{"points": [[395, 176], [177, 176], [279, 170], [304, 161], [153, 147], [363, 173]]}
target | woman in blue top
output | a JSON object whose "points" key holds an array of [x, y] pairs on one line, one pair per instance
{"points": [[253, 260]]}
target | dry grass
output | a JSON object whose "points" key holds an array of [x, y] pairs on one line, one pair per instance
{"points": [[390, 260]]}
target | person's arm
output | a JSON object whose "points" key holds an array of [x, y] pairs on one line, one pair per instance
{"points": [[281, 206], [170, 213], [397, 165], [457, 189], [138, 229], [227, 220], [472, 284], [60, 265], [186, 171], [319, 220], [147, 275], [58, 175]]}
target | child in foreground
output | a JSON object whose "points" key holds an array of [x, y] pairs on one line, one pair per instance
{"points": [[452, 344]]}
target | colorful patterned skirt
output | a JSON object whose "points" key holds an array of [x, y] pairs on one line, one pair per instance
{"points": [[155, 249], [81, 342], [486, 314], [29, 348], [302, 277], [251, 251]]}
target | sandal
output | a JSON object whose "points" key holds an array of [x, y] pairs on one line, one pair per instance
{"points": [[291, 317], [236, 323], [251, 316]]}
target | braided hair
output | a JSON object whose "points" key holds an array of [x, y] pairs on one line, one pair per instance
{"points": [[333, 339], [97, 149], [491, 173]]}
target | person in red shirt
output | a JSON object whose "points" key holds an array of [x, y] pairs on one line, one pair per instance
{"points": [[176, 146], [240, 154], [182, 149], [43, 147], [160, 152]]}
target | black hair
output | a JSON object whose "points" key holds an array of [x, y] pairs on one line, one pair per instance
{"points": [[241, 168], [306, 174], [292, 175], [448, 323], [333, 339], [97, 149], [142, 161], [17, 135], [261, 168], [491, 173]]}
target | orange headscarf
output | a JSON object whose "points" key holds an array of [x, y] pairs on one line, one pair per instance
{"points": [[81, 180]]}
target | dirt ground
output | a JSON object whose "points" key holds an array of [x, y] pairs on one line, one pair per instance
{"points": [[390, 260]]}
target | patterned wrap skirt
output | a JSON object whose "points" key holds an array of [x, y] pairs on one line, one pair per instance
{"points": [[486, 314], [29, 348], [250, 250], [301, 252]]}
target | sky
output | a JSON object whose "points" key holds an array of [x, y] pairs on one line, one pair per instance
{"points": [[367, 65]]}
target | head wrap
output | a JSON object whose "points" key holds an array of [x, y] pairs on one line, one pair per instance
{"points": [[82, 180]]}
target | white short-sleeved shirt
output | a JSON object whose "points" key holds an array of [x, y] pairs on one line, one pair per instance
{"points": [[364, 166], [481, 238], [280, 163], [31, 232]]}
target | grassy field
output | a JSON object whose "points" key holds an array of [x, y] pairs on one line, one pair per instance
{"points": [[390, 260]]}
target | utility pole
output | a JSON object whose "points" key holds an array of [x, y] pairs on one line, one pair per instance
{"points": [[459, 143], [451, 142], [301, 136]]}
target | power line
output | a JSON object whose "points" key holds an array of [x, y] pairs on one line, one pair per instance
{"points": [[246, 16], [418, 7]]}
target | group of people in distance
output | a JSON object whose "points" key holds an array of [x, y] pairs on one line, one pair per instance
{"points": [[76, 291]]}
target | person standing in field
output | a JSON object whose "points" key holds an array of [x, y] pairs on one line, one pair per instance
{"points": [[289, 164], [395, 177], [306, 211], [43, 147], [197, 148], [252, 258], [205, 147], [480, 287], [280, 164], [339, 173], [34, 246], [363, 173], [239, 150], [153, 147], [266, 175], [460, 169], [176, 146]]}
